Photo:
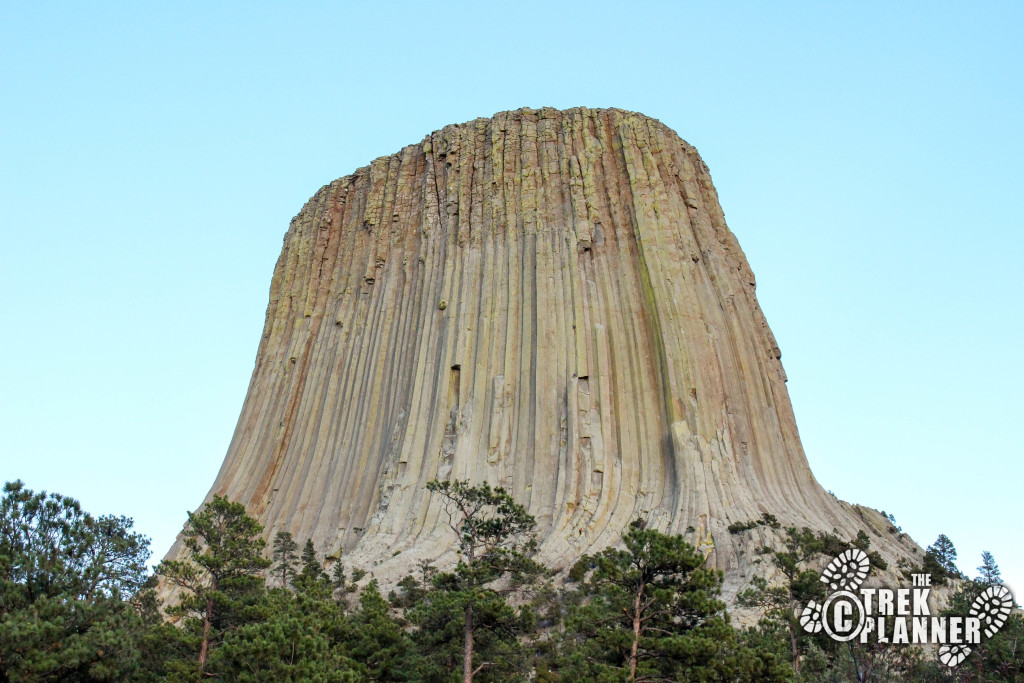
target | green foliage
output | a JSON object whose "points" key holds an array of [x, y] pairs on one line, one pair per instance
{"points": [[338, 576], [219, 579], [306, 635], [940, 561], [802, 552], [225, 551], [988, 572], [999, 658], [310, 564], [495, 626], [296, 639], [495, 534], [312, 578], [76, 605], [284, 557], [651, 612], [410, 593], [465, 618], [818, 658], [767, 519], [378, 643], [579, 569], [65, 583]]}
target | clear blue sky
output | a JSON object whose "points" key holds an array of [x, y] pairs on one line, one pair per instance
{"points": [[868, 156]]}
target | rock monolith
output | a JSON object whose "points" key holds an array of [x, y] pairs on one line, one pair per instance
{"points": [[549, 301]]}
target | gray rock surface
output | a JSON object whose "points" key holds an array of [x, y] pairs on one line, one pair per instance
{"points": [[546, 300]]}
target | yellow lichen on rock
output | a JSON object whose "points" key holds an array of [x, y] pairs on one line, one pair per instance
{"points": [[601, 353]]}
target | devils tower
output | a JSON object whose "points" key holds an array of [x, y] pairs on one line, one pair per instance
{"points": [[549, 301]]}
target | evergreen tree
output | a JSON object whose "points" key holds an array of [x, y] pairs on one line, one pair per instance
{"points": [[310, 564], [410, 594], [283, 556], [305, 635], [465, 607], [312, 577], [778, 604], [377, 642], [338, 576], [998, 658], [219, 578], [66, 579], [940, 561], [297, 638], [817, 657], [652, 613], [988, 572]]}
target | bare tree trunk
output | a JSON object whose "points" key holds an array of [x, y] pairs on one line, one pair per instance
{"points": [[792, 628], [796, 649], [204, 649], [467, 648], [634, 649]]}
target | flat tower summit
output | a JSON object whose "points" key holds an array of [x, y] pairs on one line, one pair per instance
{"points": [[546, 300]]}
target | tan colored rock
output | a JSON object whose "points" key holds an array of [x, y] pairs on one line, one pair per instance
{"points": [[546, 300]]}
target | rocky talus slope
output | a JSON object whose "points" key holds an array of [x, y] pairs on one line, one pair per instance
{"points": [[546, 300]]}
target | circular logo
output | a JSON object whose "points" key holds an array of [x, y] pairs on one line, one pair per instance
{"points": [[843, 616]]}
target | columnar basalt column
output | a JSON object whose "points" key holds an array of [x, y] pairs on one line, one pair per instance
{"points": [[546, 300]]}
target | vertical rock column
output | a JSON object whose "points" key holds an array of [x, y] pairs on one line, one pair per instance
{"points": [[546, 300]]}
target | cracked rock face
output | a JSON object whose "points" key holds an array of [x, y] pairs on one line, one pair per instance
{"points": [[546, 300]]}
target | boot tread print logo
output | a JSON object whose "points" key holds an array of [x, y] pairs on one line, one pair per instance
{"points": [[810, 618], [900, 616], [991, 608], [847, 571]]}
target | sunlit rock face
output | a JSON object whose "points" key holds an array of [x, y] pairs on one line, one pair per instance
{"points": [[549, 301]]}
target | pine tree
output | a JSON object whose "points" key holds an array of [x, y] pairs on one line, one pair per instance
{"points": [[298, 637], [817, 657], [220, 577], [312, 577], [377, 642], [310, 564], [988, 572], [495, 537], [999, 657], [338, 577], [651, 612], [284, 557], [780, 604], [940, 560], [66, 579]]}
